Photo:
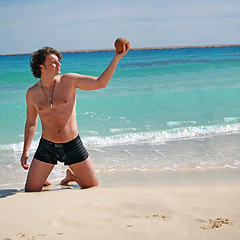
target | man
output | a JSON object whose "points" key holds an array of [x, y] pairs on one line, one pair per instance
{"points": [[53, 99]]}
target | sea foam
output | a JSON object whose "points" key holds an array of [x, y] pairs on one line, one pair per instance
{"points": [[160, 137], [133, 137]]}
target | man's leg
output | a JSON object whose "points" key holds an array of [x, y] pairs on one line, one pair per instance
{"points": [[83, 173], [37, 175]]}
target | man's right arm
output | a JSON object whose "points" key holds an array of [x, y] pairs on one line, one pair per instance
{"points": [[88, 83], [30, 128]]}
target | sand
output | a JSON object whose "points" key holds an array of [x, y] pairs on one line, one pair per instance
{"points": [[196, 204]]}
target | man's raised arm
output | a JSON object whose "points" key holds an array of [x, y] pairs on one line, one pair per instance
{"points": [[88, 83]]}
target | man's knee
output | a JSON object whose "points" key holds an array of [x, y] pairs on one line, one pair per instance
{"points": [[91, 184], [29, 188]]}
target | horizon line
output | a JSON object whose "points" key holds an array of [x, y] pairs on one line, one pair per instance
{"points": [[135, 49]]}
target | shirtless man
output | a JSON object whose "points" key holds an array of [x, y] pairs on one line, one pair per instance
{"points": [[53, 98]]}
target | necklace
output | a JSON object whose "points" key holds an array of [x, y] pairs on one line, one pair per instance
{"points": [[50, 100]]}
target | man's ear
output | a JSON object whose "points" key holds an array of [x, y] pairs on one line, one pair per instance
{"points": [[41, 67]]}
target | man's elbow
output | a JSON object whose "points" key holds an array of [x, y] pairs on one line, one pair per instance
{"points": [[31, 124], [101, 85]]}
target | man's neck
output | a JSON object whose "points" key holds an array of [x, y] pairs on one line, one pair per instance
{"points": [[48, 81]]}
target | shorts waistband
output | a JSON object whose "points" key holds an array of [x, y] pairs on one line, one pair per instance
{"points": [[65, 144]]}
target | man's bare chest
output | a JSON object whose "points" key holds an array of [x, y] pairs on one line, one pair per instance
{"points": [[58, 100]]}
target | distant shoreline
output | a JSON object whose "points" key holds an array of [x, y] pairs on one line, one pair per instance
{"points": [[136, 49]]}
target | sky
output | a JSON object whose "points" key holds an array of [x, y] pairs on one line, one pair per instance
{"points": [[27, 25]]}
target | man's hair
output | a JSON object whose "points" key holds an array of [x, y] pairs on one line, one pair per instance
{"points": [[39, 57]]}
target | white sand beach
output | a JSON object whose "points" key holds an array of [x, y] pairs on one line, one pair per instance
{"points": [[159, 205]]}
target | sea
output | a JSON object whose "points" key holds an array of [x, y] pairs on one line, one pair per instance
{"points": [[164, 109]]}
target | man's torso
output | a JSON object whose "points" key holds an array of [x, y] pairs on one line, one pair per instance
{"points": [[59, 121]]}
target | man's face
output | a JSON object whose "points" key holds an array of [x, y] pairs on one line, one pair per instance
{"points": [[51, 65]]}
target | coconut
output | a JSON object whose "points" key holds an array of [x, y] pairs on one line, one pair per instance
{"points": [[119, 44]]}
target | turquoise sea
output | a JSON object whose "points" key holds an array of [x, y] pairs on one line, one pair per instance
{"points": [[163, 109]]}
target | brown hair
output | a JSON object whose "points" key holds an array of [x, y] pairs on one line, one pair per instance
{"points": [[38, 58]]}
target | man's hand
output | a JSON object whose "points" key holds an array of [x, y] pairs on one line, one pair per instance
{"points": [[24, 161], [119, 55]]}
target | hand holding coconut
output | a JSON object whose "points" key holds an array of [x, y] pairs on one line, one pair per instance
{"points": [[122, 47]]}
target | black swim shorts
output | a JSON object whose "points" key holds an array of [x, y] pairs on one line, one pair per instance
{"points": [[69, 152]]}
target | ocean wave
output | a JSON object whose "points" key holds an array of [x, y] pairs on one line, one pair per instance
{"points": [[179, 123], [17, 147], [120, 130], [159, 137], [231, 119], [153, 137]]}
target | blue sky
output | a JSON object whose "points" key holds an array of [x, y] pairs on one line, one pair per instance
{"points": [[27, 25]]}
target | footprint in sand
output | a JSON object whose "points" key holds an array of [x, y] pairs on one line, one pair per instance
{"points": [[217, 223], [163, 217], [29, 237]]}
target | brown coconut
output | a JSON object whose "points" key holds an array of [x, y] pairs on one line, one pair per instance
{"points": [[119, 44]]}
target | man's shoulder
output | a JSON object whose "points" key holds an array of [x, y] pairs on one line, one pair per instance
{"points": [[34, 87], [32, 90], [69, 76]]}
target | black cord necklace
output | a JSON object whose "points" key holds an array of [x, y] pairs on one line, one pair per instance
{"points": [[50, 100]]}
